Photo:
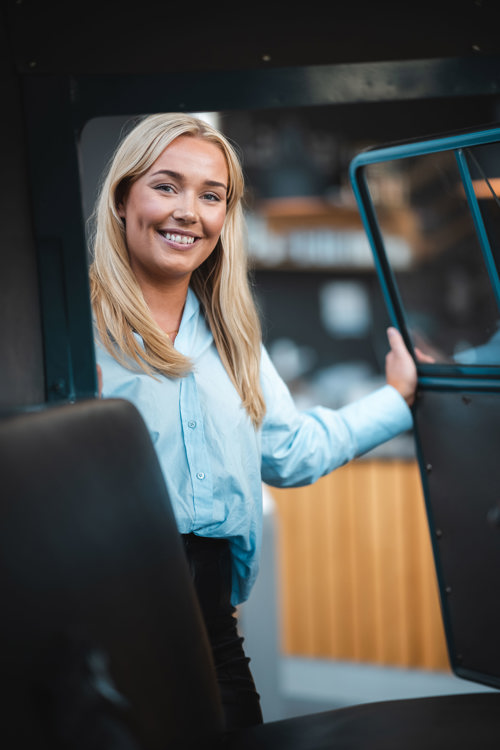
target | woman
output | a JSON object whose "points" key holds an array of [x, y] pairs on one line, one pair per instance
{"points": [[177, 333]]}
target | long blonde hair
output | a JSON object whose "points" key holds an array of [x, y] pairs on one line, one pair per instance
{"points": [[221, 283]]}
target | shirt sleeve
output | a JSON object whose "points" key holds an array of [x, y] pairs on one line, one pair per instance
{"points": [[298, 447]]}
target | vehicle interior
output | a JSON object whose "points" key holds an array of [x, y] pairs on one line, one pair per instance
{"points": [[91, 564]]}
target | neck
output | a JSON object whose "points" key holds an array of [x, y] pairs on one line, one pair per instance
{"points": [[166, 304]]}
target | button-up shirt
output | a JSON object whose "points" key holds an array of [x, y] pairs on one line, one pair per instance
{"points": [[213, 458]]}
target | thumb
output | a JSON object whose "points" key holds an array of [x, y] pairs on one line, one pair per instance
{"points": [[395, 340]]}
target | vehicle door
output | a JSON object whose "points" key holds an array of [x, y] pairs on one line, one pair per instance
{"points": [[431, 210]]}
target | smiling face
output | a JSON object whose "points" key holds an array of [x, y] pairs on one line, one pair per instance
{"points": [[174, 213]]}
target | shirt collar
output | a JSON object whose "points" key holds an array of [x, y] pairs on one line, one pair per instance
{"points": [[191, 308], [184, 341], [193, 336]]}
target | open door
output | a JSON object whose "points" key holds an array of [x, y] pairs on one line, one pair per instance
{"points": [[431, 210]]}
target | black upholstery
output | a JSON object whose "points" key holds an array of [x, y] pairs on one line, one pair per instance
{"points": [[458, 722], [91, 566], [102, 644]]}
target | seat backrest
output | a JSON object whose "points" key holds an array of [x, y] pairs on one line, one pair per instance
{"points": [[96, 596]]}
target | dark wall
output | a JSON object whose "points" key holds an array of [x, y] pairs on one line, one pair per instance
{"points": [[392, 70], [21, 361]]}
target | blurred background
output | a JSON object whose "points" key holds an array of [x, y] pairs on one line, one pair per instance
{"points": [[345, 609]]}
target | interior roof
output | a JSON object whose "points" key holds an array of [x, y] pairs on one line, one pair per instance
{"points": [[149, 36]]}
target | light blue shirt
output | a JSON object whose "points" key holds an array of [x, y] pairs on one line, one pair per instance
{"points": [[214, 460]]}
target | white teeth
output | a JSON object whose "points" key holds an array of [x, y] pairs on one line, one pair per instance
{"points": [[180, 238]]}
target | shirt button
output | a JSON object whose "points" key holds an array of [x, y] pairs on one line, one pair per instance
{"points": [[191, 424], [200, 475]]}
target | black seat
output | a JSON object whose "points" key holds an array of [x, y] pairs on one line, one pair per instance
{"points": [[96, 594], [102, 643], [461, 722]]}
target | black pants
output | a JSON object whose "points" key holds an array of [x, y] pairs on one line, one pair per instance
{"points": [[210, 565]]}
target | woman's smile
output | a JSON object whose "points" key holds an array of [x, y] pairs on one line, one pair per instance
{"points": [[180, 200], [178, 239]]}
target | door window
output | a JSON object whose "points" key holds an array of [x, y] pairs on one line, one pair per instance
{"points": [[440, 211]]}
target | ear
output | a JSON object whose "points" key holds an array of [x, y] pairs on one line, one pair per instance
{"points": [[121, 200], [120, 209]]}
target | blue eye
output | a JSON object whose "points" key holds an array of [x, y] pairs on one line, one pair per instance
{"points": [[165, 188]]}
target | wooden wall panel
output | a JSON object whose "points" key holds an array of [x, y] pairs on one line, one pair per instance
{"points": [[356, 572]]}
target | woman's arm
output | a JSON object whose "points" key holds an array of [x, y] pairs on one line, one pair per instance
{"points": [[300, 446]]}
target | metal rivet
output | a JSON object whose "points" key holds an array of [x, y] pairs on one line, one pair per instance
{"points": [[439, 533], [200, 475], [428, 468], [448, 590]]}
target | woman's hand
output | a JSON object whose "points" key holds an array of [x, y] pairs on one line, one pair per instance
{"points": [[400, 369]]}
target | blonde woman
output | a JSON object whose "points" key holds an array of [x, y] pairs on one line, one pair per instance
{"points": [[177, 333]]}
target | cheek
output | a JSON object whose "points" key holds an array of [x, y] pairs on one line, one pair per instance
{"points": [[141, 212], [218, 223], [134, 226], [137, 224]]}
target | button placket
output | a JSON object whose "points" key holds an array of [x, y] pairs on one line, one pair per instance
{"points": [[197, 453]]}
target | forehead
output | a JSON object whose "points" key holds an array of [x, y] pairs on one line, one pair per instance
{"points": [[193, 156]]}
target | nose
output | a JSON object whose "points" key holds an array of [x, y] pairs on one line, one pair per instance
{"points": [[185, 210]]}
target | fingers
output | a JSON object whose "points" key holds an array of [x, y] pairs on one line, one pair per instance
{"points": [[398, 346], [421, 357]]}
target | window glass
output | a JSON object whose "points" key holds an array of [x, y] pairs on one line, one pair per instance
{"points": [[442, 273], [484, 165]]}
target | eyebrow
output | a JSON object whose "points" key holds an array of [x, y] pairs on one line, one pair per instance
{"points": [[179, 176]]}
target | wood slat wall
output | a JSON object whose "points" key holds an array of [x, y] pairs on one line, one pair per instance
{"points": [[356, 572]]}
